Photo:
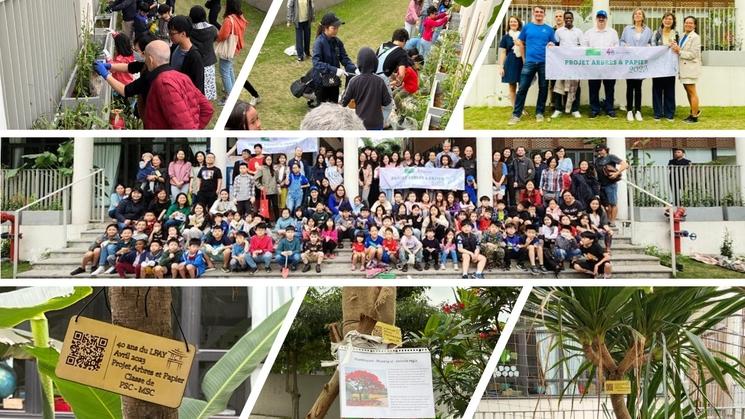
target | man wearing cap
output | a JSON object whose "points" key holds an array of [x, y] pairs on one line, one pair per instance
{"points": [[330, 60], [533, 40], [601, 36], [609, 168]]}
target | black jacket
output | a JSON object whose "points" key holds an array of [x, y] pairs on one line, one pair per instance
{"points": [[130, 210], [203, 37], [127, 7], [193, 66], [523, 169]]}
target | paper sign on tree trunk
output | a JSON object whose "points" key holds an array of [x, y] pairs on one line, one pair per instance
{"points": [[394, 383], [125, 361]]}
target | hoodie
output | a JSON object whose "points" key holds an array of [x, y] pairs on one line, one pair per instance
{"points": [[368, 91], [203, 36]]}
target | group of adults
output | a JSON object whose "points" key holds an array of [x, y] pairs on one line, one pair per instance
{"points": [[522, 56], [174, 70]]}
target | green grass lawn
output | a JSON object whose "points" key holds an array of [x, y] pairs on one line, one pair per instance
{"points": [[254, 17], [366, 24], [695, 269], [720, 118], [6, 269]]}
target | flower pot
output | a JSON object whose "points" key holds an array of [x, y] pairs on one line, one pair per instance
{"points": [[100, 101], [733, 213]]}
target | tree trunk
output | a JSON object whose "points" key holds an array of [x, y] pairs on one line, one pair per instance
{"points": [[128, 310], [618, 401], [293, 386], [376, 302]]}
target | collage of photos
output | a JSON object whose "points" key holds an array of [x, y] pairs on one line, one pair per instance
{"points": [[398, 209]]}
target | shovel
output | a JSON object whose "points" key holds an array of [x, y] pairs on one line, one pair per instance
{"points": [[285, 271]]}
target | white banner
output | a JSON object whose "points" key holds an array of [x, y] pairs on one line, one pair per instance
{"points": [[422, 178], [278, 145], [386, 384], [615, 63]]}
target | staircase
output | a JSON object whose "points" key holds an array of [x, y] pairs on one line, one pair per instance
{"points": [[629, 261]]}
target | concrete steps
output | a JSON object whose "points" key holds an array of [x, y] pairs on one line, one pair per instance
{"points": [[629, 262]]}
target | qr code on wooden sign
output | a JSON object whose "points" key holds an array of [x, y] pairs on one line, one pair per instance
{"points": [[86, 351]]}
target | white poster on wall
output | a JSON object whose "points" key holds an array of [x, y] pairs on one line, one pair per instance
{"points": [[394, 383], [422, 178], [278, 145]]}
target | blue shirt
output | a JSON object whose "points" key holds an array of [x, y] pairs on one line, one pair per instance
{"points": [[536, 37]]}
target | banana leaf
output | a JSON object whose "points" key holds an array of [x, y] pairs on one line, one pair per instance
{"points": [[27, 303]]}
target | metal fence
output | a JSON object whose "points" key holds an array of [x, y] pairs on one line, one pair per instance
{"points": [[716, 25], [38, 44], [688, 186], [719, 413], [28, 185]]}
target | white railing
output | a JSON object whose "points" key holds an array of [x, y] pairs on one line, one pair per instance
{"points": [[29, 184], [716, 25], [689, 186], [59, 199], [569, 413], [633, 187]]}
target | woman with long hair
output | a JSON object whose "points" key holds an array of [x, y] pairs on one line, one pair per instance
{"points": [[509, 59], [267, 183], [233, 24], [200, 160], [637, 34], [283, 171], [179, 174], [689, 52]]}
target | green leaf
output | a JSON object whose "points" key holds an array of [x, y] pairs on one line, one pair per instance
{"points": [[235, 367], [86, 402], [13, 343], [708, 359], [26, 303]]}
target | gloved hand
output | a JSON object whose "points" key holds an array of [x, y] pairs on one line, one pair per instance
{"points": [[357, 72], [101, 68], [340, 72]]}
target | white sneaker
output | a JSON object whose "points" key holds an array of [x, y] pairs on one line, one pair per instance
{"points": [[255, 101], [513, 121], [576, 114], [98, 271], [111, 270], [622, 108], [539, 118], [556, 114], [639, 116], [630, 116], [455, 266]]}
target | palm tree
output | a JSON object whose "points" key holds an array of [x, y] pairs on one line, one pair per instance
{"points": [[651, 337], [128, 308]]}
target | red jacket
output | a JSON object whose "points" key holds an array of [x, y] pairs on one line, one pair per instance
{"points": [[173, 102]]}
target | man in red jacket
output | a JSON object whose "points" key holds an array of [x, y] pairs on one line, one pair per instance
{"points": [[173, 102]]}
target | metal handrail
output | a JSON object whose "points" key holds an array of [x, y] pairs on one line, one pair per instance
{"points": [[670, 206], [64, 190]]}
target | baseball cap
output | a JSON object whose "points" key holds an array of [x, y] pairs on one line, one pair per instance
{"points": [[601, 13], [470, 179], [330, 19]]}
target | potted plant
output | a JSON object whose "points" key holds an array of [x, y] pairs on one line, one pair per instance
{"points": [[733, 208], [84, 85]]}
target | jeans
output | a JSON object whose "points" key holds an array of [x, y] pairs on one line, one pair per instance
{"points": [[291, 260], [424, 48], [634, 94], [302, 39], [563, 255], [663, 97], [444, 256], [175, 190], [526, 77], [387, 109], [294, 201], [265, 257], [112, 212], [107, 255], [226, 72], [236, 264], [610, 89], [403, 256]]}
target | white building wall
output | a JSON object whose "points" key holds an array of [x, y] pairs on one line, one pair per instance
{"points": [[708, 240]]}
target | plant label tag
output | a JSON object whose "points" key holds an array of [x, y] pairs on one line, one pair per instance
{"points": [[125, 361], [390, 333], [617, 387]]}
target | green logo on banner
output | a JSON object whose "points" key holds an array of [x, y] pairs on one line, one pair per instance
{"points": [[592, 52], [408, 171]]}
